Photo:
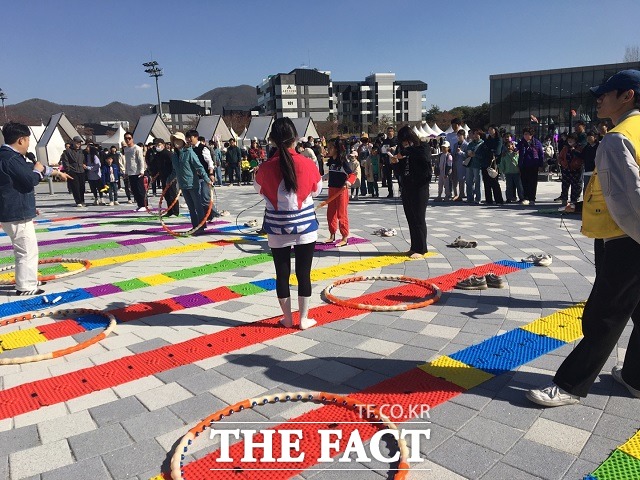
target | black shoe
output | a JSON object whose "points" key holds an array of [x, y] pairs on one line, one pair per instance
{"points": [[559, 199], [25, 293]]}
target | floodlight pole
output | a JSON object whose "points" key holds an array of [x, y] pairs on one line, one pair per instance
{"points": [[154, 70], [3, 97]]}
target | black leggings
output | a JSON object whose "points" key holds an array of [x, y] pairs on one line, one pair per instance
{"points": [[282, 261]]}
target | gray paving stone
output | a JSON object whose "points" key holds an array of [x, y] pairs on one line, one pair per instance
{"points": [[502, 471], [515, 411], [148, 345], [92, 468], [539, 460], [117, 411], [196, 408], [201, 382], [359, 358], [579, 416], [476, 398], [365, 379], [616, 428], [624, 406], [598, 448], [451, 415], [18, 439], [463, 457], [488, 433], [134, 459], [178, 373], [580, 469], [273, 377], [151, 424], [335, 372], [100, 441]]}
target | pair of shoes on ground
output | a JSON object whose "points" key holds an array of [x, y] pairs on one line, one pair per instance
{"points": [[35, 291], [344, 241], [463, 243], [475, 282], [540, 259], [386, 232], [553, 396], [251, 223]]}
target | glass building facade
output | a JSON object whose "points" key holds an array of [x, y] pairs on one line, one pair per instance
{"points": [[556, 98]]}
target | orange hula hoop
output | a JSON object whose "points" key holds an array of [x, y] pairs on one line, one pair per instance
{"points": [[383, 308], [194, 229], [177, 460], [86, 264]]}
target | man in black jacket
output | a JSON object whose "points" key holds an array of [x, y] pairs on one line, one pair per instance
{"points": [[234, 156], [73, 163], [162, 166]]}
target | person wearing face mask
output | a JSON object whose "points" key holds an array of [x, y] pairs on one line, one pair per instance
{"points": [[188, 171], [570, 162], [73, 163]]}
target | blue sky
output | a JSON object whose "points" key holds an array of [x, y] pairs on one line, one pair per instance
{"points": [[90, 53]]}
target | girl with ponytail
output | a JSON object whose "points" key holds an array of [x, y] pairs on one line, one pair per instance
{"points": [[288, 182], [341, 177]]}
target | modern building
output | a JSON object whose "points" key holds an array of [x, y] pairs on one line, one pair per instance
{"points": [[358, 104], [380, 98], [555, 98], [183, 114], [300, 93]]}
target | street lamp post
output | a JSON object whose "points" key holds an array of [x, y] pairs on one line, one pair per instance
{"points": [[154, 70], [3, 97]]}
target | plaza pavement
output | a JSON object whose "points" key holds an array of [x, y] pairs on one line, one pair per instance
{"points": [[490, 431]]}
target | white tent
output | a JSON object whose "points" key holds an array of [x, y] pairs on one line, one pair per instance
{"points": [[436, 129], [233, 134], [260, 128], [305, 128], [36, 133], [422, 132], [51, 144], [116, 139], [448, 130], [150, 127], [428, 130], [246, 142], [213, 127], [466, 128], [417, 132]]}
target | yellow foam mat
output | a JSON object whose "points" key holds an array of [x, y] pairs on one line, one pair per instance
{"points": [[456, 372], [632, 446], [151, 254], [157, 477], [21, 338], [564, 325], [349, 268], [158, 279], [72, 267]]}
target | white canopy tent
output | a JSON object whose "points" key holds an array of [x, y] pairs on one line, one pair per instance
{"points": [[428, 130], [436, 129], [150, 127], [36, 133], [213, 127], [51, 143], [116, 139], [305, 127], [260, 128]]}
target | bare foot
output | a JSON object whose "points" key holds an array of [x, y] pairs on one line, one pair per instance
{"points": [[415, 256], [285, 323], [307, 323], [331, 239], [343, 242]]}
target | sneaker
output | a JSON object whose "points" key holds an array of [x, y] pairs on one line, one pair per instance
{"points": [[79, 205], [541, 259], [391, 232], [472, 283], [110, 204], [224, 213], [494, 281], [116, 203], [95, 202], [25, 293], [552, 396], [562, 209], [616, 372], [251, 223], [129, 201], [524, 202], [570, 208], [141, 209], [559, 199]]}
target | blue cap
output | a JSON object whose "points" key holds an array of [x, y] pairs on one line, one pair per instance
{"points": [[623, 80]]}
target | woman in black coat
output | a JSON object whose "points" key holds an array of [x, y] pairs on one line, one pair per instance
{"points": [[413, 164], [493, 145]]}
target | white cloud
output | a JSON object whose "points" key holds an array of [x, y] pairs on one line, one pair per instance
{"points": [[144, 85]]}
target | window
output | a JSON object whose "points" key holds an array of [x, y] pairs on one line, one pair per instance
{"points": [[398, 117], [406, 105]]}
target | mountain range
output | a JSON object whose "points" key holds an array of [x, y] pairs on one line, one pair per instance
{"points": [[36, 110]]}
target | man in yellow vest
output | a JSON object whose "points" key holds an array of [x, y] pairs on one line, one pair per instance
{"points": [[611, 215]]}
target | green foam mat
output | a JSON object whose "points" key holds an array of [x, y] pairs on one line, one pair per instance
{"points": [[619, 466]]}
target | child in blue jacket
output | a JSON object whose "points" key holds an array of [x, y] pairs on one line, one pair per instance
{"points": [[110, 177]]}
